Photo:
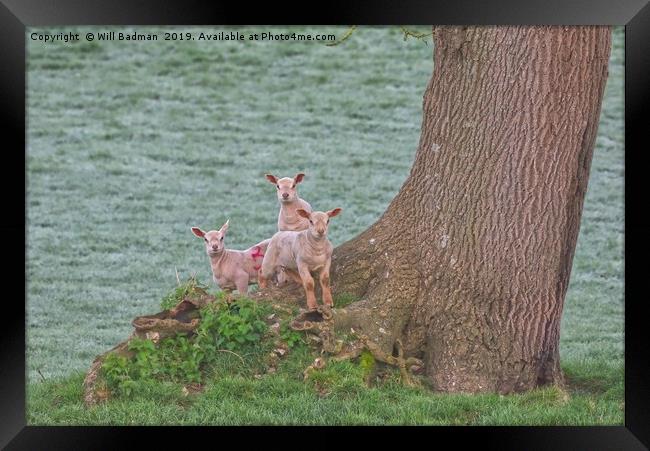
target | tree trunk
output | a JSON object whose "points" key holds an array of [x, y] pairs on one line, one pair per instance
{"points": [[470, 263]]}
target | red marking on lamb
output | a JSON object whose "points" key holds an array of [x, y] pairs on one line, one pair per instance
{"points": [[257, 252]]}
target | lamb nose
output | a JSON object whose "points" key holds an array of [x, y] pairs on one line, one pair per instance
{"points": [[285, 195]]}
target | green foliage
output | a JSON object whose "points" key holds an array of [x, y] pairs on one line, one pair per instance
{"points": [[290, 336], [116, 373], [235, 326], [173, 359], [180, 292], [179, 359]]}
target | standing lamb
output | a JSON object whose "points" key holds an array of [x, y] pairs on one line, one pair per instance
{"points": [[232, 269], [301, 254], [288, 219]]}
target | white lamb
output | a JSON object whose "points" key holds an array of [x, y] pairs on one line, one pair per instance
{"points": [[302, 253], [232, 269]]}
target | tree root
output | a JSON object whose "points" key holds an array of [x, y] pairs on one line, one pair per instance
{"points": [[322, 322], [307, 319], [399, 361]]}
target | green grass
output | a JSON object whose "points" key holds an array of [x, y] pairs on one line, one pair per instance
{"points": [[280, 399], [131, 144]]}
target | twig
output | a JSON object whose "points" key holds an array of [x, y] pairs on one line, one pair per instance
{"points": [[417, 35], [344, 38], [405, 31], [41, 374], [178, 279]]}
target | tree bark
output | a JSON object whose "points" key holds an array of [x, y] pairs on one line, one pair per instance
{"points": [[469, 264]]}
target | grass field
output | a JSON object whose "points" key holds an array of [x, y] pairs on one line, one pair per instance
{"points": [[130, 144]]}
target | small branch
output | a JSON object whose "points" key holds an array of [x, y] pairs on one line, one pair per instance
{"points": [[405, 31], [415, 34], [178, 279], [344, 38]]}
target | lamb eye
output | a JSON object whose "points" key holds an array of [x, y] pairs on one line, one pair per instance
{"points": [[206, 240], [293, 186], [277, 186], [221, 238], [311, 222]]}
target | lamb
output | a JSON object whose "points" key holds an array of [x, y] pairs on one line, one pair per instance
{"points": [[232, 269], [288, 219], [302, 253]]}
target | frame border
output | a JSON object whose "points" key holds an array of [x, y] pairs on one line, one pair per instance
{"points": [[16, 15]]}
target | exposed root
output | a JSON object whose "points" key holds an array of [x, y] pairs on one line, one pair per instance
{"points": [[350, 352], [323, 322], [399, 361], [354, 350], [307, 319]]}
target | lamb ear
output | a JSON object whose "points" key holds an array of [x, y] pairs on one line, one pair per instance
{"points": [[224, 228], [198, 232], [334, 212], [271, 178], [303, 213], [298, 178]]}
